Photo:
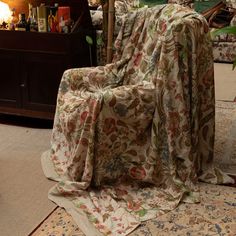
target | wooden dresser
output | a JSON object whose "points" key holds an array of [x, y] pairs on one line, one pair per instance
{"points": [[32, 64]]}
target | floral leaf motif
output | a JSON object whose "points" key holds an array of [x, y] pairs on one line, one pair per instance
{"points": [[110, 208], [142, 212], [134, 104], [89, 40], [112, 102], [105, 217], [100, 41]]}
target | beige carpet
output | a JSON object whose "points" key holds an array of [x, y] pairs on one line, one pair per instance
{"points": [[225, 82], [23, 186], [225, 143]]}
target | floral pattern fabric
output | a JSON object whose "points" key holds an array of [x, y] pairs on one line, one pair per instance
{"points": [[215, 215], [224, 51], [131, 138], [224, 45]]}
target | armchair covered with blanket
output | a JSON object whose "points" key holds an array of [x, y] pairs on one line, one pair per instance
{"points": [[131, 138]]}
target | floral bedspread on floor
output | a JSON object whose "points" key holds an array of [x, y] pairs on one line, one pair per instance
{"points": [[131, 139], [215, 215]]}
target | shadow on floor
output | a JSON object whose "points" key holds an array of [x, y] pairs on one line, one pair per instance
{"points": [[232, 185], [25, 121]]}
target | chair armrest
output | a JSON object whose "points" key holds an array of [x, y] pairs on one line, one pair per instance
{"points": [[127, 102]]}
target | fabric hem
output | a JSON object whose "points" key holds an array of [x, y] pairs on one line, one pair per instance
{"points": [[78, 216], [48, 167]]}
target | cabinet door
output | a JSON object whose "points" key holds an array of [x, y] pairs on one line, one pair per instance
{"points": [[10, 73], [41, 78]]}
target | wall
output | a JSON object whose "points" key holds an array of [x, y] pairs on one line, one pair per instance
{"points": [[21, 6]]}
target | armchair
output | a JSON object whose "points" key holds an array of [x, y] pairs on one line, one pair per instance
{"points": [[131, 138], [224, 45]]}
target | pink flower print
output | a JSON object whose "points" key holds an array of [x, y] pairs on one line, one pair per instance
{"points": [[114, 218], [138, 172], [83, 116], [137, 59], [132, 205], [121, 192], [84, 142], [174, 123], [163, 26], [82, 206], [99, 226], [206, 81], [109, 126], [71, 126], [120, 231]]}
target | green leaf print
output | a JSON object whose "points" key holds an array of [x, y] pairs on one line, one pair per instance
{"points": [[142, 212], [89, 40]]}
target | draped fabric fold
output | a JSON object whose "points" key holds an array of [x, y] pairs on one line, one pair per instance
{"points": [[131, 139]]}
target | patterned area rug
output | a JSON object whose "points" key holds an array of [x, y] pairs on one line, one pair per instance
{"points": [[215, 215]]}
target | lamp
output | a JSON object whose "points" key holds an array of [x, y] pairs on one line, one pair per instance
{"points": [[5, 14]]}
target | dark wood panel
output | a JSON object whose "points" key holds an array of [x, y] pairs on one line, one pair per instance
{"points": [[32, 63], [46, 42], [10, 79], [26, 113], [34, 41], [41, 78]]}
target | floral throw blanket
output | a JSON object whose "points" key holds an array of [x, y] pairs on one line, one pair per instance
{"points": [[131, 139]]}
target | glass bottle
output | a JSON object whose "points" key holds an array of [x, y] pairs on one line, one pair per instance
{"points": [[34, 23], [30, 13], [31, 21], [12, 24], [22, 23]]}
